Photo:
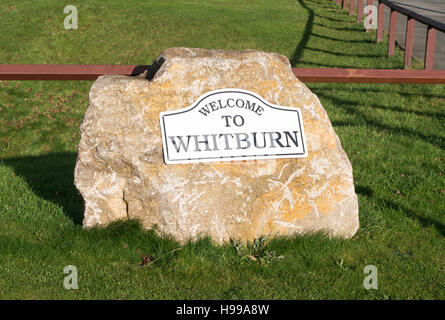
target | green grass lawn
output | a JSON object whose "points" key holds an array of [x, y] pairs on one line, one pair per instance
{"points": [[394, 136]]}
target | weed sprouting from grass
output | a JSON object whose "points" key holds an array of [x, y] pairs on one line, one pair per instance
{"points": [[147, 260], [256, 251]]}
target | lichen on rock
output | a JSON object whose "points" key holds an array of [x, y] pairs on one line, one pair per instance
{"points": [[121, 174]]}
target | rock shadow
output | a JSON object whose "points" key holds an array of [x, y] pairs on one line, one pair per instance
{"points": [[51, 177]]}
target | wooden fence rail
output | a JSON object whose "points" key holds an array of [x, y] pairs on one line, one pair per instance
{"points": [[432, 27], [91, 72]]}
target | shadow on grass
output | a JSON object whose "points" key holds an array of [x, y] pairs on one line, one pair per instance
{"points": [[339, 29], [425, 222], [51, 177], [342, 40], [383, 90], [308, 32], [434, 115], [318, 64], [341, 54], [331, 19], [351, 107], [365, 191], [306, 35]]}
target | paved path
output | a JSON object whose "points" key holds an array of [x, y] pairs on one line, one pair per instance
{"points": [[434, 9]]}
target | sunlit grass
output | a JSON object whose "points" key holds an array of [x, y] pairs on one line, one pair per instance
{"points": [[393, 134]]}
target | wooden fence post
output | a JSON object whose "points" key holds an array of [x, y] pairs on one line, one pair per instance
{"points": [[345, 3], [430, 48], [351, 6], [392, 32], [359, 11], [409, 41], [381, 15]]}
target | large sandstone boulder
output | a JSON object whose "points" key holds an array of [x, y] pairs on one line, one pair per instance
{"points": [[121, 174]]}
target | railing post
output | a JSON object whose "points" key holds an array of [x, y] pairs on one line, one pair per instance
{"points": [[409, 41], [381, 15], [430, 48], [345, 3], [392, 32], [338, 1], [359, 10], [351, 6]]}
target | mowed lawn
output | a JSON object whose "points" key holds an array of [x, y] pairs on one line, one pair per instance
{"points": [[394, 136]]}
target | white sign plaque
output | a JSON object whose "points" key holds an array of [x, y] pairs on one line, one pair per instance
{"points": [[232, 124]]}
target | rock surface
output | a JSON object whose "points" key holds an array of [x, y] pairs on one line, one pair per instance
{"points": [[121, 174]]}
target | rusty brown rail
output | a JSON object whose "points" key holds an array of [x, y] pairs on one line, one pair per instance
{"points": [[61, 71], [91, 72], [369, 75]]}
